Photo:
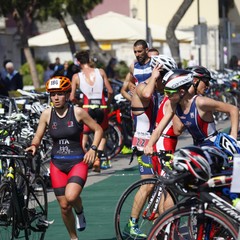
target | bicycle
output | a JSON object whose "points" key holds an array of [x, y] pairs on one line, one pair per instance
{"points": [[121, 117], [201, 214], [23, 204], [151, 208], [120, 128]]}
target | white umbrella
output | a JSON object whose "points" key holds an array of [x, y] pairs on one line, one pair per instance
{"points": [[107, 27]]}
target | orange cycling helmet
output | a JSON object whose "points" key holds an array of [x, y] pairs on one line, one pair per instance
{"points": [[58, 84]]}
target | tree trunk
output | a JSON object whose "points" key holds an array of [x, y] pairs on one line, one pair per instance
{"points": [[170, 33], [68, 34], [91, 42], [23, 32], [32, 66]]}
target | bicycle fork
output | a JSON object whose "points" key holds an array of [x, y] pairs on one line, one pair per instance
{"points": [[156, 195]]}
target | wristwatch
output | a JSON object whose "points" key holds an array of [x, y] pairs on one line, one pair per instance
{"points": [[94, 148]]}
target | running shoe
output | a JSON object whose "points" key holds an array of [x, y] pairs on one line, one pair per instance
{"points": [[133, 231], [126, 150], [106, 164], [80, 222], [96, 166]]}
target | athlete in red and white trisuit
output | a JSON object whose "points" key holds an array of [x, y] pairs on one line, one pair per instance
{"points": [[91, 82], [168, 139]]}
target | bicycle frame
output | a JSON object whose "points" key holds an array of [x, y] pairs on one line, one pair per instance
{"points": [[22, 196], [203, 198]]}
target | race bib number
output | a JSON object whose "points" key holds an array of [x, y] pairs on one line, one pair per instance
{"points": [[54, 83], [140, 140]]}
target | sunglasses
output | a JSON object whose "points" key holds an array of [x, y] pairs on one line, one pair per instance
{"points": [[205, 80], [169, 92], [53, 94]]}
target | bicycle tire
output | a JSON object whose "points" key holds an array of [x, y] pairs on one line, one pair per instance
{"points": [[174, 224], [114, 141], [37, 208], [124, 206], [20, 166], [8, 219]]}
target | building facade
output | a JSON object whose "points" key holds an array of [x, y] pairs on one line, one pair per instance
{"points": [[220, 17]]}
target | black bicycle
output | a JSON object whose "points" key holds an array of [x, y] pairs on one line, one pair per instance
{"points": [[23, 201], [147, 196], [200, 215]]}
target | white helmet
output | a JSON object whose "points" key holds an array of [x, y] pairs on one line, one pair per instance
{"points": [[167, 62], [193, 160], [177, 78]]}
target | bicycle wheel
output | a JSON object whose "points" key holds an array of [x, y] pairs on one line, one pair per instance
{"points": [[37, 209], [180, 222], [114, 142], [8, 225], [4, 162], [125, 206]]}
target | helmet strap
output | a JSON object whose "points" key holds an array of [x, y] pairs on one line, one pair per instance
{"points": [[195, 85]]}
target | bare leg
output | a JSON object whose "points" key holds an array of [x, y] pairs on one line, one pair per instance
{"points": [[102, 144], [141, 197], [70, 200]]}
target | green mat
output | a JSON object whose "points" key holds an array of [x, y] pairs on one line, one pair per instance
{"points": [[99, 201]]}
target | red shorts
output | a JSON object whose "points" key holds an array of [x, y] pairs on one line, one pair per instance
{"points": [[59, 178]]}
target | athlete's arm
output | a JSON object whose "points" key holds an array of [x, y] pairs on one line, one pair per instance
{"points": [[207, 105], [107, 85], [146, 90], [75, 85], [82, 115], [42, 126], [125, 87], [159, 129], [178, 126]]}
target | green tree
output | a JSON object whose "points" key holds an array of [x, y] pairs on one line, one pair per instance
{"points": [[170, 33], [22, 11], [57, 9], [78, 10]]}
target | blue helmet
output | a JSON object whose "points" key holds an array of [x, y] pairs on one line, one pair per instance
{"points": [[227, 144], [217, 158]]}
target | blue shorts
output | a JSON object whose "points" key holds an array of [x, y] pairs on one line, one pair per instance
{"points": [[146, 170]]}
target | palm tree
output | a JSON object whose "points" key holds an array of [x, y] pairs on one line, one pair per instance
{"points": [[170, 33]]}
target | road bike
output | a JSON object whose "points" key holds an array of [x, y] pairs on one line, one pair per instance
{"points": [[151, 194], [23, 202], [201, 214]]}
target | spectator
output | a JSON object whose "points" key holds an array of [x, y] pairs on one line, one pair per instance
{"points": [[72, 69], [152, 52], [4, 71], [13, 79], [49, 72], [3, 88], [110, 71], [192, 62], [233, 63], [58, 65]]}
